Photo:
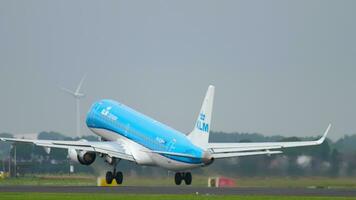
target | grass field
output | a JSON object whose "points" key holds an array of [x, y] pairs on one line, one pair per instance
{"points": [[60, 196], [87, 180], [49, 180]]}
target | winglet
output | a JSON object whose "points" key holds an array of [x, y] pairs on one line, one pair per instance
{"points": [[321, 140]]}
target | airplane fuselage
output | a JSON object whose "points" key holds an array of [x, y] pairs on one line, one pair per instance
{"points": [[112, 121]]}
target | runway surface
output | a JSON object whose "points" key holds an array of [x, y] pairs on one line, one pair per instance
{"points": [[182, 190]]}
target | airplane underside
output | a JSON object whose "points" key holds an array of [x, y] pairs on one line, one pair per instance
{"points": [[143, 156]]}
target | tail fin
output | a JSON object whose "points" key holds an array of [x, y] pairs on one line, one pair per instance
{"points": [[200, 134]]}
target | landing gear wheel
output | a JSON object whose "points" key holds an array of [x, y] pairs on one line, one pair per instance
{"points": [[188, 178], [178, 178], [109, 177], [119, 177]]}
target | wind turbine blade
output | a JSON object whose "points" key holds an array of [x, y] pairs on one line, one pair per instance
{"points": [[67, 91], [80, 84]]}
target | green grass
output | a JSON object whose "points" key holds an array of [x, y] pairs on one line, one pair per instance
{"points": [[89, 180], [51, 181], [60, 196]]}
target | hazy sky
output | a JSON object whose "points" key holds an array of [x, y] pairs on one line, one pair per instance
{"points": [[279, 67]]}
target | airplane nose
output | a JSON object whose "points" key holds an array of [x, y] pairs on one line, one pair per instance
{"points": [[207, 158]]}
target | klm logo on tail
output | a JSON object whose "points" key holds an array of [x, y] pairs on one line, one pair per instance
{"points": [[201, 125]]}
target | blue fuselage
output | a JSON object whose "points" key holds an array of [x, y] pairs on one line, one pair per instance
{"points": [[143, 130]]}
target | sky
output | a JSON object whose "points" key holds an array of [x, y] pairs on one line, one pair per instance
{"points": [[279, 67]]}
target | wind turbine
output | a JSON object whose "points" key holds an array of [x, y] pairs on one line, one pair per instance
{"points": [[77, 95]]}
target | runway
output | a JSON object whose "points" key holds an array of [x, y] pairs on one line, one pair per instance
{"points": [[182, 190]]}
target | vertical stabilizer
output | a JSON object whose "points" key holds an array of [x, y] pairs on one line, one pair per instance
{"points": [[200, 134]]}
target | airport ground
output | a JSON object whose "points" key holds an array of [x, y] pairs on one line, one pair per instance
{"points": [[82, 186], [198, 181], [61, 196]]}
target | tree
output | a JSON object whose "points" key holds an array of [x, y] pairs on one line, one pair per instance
{"points": [[336, 158]]}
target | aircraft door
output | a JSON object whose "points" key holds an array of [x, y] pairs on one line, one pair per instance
{"points": [[171, 144], [127, 129]]}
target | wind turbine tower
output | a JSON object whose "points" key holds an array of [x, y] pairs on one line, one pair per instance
{"points": [[77, 95]]}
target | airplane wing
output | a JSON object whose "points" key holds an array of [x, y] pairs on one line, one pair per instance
{"points": [[117, 149], [226, 150]]}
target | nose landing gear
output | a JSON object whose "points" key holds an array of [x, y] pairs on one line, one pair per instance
{"points": [[180, 176]]}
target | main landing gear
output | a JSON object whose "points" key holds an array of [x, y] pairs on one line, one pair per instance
{"points": [[110, 176], [180, 176]]}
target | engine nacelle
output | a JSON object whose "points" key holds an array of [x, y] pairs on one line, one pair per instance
{"points": [[83, 157]]}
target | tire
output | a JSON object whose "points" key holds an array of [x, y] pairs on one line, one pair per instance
{"points": [[188, 178], [109, 177], [178, 178], [119, 177]]}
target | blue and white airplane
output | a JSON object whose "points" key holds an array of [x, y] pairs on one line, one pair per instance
{"points": [[129, 135]]}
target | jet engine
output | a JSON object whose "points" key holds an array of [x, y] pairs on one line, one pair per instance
{"points": [[83, 157]]}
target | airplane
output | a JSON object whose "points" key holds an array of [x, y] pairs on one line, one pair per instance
{"points": [[129, 135]]}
